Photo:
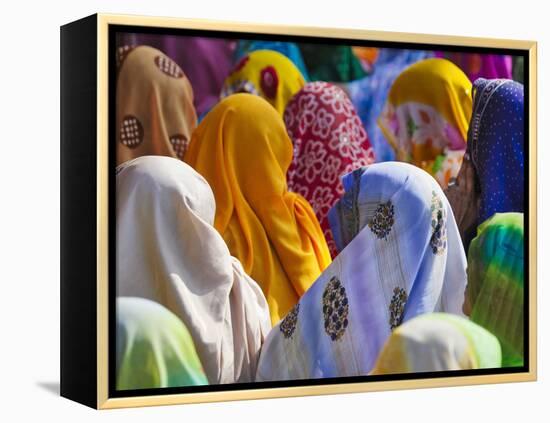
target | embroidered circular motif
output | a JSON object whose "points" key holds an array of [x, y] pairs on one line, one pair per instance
{"points": [[131, 131], [168, 66], [397, 307], [335, 309], [269, 81], [179, 144], [382, 221], [438, 240], [288, 325], [121, 54]]}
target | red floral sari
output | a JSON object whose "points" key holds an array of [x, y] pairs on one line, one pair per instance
{"points": [[329, 141]]}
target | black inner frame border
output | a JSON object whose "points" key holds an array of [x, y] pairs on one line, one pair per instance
{"points": [[113, 30]]}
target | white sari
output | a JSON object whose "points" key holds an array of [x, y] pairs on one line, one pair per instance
{"points": [[169, 252], [403, 257]]}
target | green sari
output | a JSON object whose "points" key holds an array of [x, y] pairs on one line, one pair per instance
{"points": [[495, 282], [154, 348], [331, 63]]}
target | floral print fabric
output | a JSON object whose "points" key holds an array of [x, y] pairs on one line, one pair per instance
{"points": [[426, 117], [329, 142]]}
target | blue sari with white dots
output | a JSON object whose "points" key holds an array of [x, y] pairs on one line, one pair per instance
{"points": [[496, 144]]}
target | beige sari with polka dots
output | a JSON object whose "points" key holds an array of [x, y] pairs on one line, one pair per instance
{"points": [[154, 105]]}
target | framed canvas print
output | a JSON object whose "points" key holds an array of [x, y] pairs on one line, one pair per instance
{"points": [[254, 211]]}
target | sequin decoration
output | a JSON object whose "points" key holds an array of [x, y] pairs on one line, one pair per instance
{"points": [[335, 309], [438, 240], [382, 221], [131, 131], [288, 324], [168, 66], [179, 144], [397, 307]]}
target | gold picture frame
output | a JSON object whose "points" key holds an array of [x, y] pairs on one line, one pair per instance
{"points": [[98, 25]]}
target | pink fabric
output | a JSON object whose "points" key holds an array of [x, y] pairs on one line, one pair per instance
{"points": [[490, 66], [329, 141]]}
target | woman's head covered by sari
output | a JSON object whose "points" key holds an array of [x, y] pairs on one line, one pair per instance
{"points": [[288, 49], [329, 141], [268, 74], [154, 348], [426, 117], [405, 259], [154, 106], [243, 150], [435, 342], [169, 252], [494, 296], [496, 145]]}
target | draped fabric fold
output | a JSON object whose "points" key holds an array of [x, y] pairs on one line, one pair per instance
{"points": [[154, 106], [243, 151], [329, 141], [426, 117], [369, 94], [405, 259], [437, 342], [495, 292], [496, 142], [154, 348], [169, 252], [204, 60]]}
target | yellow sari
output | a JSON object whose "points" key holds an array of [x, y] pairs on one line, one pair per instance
{"points": [[243, 151], [266, 73], [426, 117]]}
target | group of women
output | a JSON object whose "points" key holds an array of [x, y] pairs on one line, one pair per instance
{"points": [[261, 236]]}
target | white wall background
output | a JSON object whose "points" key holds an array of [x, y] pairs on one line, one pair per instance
{"points": [[29, 211]]}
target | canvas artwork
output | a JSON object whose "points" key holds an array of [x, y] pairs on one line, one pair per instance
{"points": [[292, 211]]}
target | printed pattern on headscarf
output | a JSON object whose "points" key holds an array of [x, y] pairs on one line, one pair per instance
{"points": [[426, 117], [496, 142], [205, 61], [153, 347], [388, 274], [369, 94], [154, 105], [329, 142]]}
